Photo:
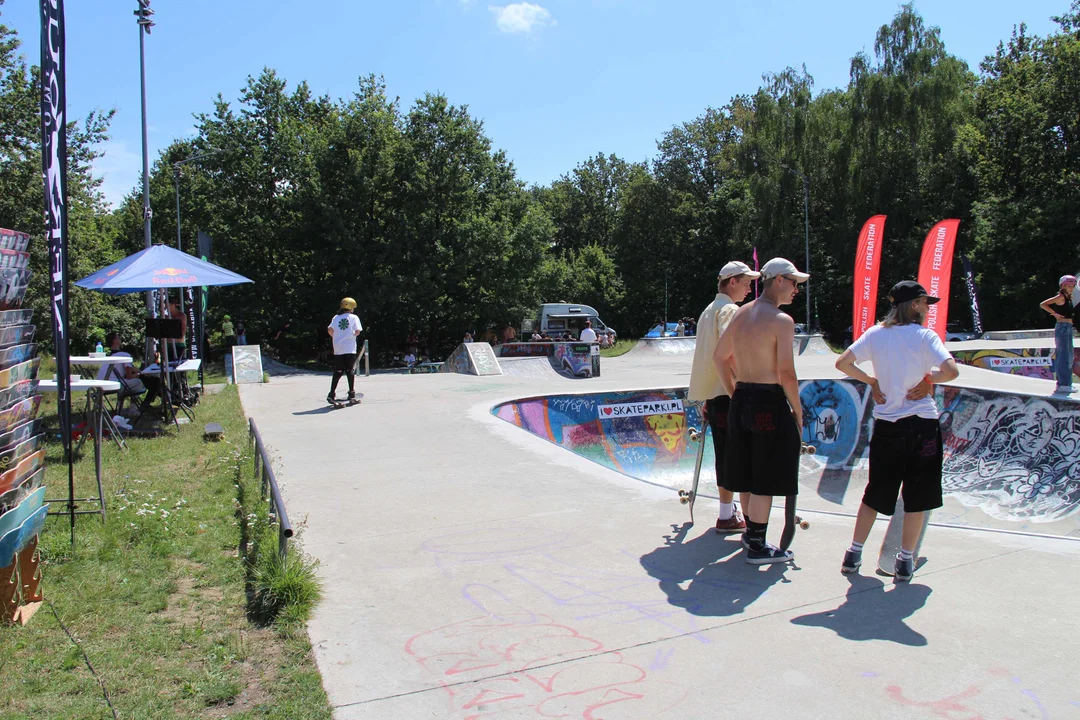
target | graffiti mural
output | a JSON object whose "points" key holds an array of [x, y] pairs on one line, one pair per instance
{"points": [[648, 445], [1029, 362], [836, 419], [1015, 457]]}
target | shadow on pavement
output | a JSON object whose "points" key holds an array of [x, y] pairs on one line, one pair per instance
{"points": [[708, 576], [317, 411], [871, 613]]}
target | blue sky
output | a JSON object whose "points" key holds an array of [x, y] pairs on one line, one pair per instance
{"points": [[554, 81]]}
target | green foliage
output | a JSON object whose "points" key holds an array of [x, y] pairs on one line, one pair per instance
{"points": [[91, 228], [286, 590], [412, 211]]}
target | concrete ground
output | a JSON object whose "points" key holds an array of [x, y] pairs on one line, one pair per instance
{"points": [[472, 570]]}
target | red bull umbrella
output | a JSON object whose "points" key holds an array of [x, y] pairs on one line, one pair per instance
{"points": [[159, 267]]}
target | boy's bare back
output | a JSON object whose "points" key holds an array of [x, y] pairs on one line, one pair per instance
{"points": [[761, 337]]}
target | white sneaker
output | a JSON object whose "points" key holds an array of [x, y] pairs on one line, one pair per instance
{"points": [[1065, 389]]}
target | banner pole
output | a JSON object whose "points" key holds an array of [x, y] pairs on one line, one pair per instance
{"points": [[54, 174]]}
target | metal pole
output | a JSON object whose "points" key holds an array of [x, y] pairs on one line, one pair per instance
{"points": [[151, 310], [176, 182], [806, 207]]}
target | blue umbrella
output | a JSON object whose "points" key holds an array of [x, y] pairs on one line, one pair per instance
{"points": [[159, 267]]}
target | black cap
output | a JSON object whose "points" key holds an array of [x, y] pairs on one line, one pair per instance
{"points": [[908, 290]]}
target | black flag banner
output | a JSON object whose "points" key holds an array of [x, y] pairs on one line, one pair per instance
{"points": [[54, 173], [969, 280]]}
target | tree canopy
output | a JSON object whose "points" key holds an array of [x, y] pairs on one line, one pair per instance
{"points": [[415, 214]]}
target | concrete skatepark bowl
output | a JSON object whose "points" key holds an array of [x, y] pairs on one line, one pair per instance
{"points": [[472, 568]]}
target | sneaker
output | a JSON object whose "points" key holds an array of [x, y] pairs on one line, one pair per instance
{"points": [[733, 524], [330, 398], [852, 561], [745, 542], [1064, 389], [352, 397], [768, 554], [904, 569]]}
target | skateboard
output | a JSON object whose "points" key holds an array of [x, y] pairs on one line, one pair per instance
{"points": [[791, 519], [687, 497], [891, 545], [338, 404]]}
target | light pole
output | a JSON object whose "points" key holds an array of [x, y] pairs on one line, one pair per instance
{"points": [[142, 15]]}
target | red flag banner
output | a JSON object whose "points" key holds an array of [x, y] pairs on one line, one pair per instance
{"points": [[867, 265], [935, 271]]}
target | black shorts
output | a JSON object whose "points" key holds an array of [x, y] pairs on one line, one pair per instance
{"points": [[344, 363], [762, 454], [716, 411], [906, 456]]}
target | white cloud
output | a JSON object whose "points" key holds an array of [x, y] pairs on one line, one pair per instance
{"points": [[521, 17], [119, 169]]}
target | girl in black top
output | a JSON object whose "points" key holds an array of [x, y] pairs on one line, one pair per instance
{"points": [[1061, 307]]}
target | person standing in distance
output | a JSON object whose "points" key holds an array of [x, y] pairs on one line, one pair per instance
{"points": [[588, 335], [733, 285], [757, 367], [343, 328], [1061, 307], [906, 451]]}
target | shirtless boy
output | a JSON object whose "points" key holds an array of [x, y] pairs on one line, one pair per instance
{"points": [[757, 367]]}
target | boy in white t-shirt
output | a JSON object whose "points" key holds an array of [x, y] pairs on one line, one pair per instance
{"points": [[343, 328], [906, 451]]}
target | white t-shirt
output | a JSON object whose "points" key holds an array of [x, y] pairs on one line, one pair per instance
{"points": [[587, 335], [345, 326], [901, 355]]}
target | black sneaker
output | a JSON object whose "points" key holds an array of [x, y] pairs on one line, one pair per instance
{"points": [[852, 561], [330, 398], [768, 554], [904, 569], [745, 542], [352, 397]]}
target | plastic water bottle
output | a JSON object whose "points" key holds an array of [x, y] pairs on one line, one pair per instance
{"points": [[99, 350]]}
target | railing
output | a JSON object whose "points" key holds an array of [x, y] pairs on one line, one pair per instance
{"points": [[367, 359], [265, 470]]}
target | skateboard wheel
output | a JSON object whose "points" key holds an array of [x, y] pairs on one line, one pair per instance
{"points": [[804, 525], [695, 434], [684, 500]]}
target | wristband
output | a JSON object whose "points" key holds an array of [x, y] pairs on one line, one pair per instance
{"points": [[928, 380]]}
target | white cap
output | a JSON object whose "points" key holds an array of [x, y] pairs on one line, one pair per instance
{"points": [[781, 266], [734, 268]]}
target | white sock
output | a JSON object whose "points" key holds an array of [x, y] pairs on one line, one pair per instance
{"points": [[906, 554], [856, 547], [727, 510]]}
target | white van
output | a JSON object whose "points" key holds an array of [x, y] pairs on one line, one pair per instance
{"points": [[558, 318]]}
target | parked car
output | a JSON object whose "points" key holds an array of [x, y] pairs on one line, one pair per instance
{"points": [[654, 332]]}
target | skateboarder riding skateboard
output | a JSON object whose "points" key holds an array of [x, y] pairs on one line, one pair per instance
{"points": [[906, 451], [765, 420], [343, 328], [706, 387]]}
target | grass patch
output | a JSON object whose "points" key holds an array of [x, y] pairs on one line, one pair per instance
{"points": [[621, 348], [159, 597]]}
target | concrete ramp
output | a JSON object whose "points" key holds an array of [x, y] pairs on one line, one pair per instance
{"points": [[1017, 334], [1027, 357], [476, 358], [1009, 457], [664, 346], [529, 367], [811, 345]]}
